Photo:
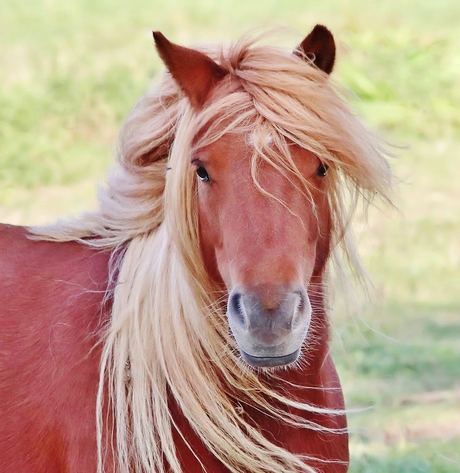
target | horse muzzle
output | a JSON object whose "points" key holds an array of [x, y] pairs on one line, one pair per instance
{"points": [[269, 323]]}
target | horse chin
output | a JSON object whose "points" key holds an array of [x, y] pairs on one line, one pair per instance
{"points": [[270, 361]]}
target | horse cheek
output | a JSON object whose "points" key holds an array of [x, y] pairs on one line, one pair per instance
{"points": [[210, 241]]}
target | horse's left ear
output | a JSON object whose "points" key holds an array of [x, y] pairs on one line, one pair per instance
{"points": [[195, 73], [319, 46]]}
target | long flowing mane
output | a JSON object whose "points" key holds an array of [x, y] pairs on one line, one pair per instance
{"points": [[167, 336]]}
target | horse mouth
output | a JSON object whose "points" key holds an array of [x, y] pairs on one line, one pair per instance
{"points": [[270, 361]]}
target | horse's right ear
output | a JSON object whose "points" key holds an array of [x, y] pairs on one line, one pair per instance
{"points": [[195, 73], [319, 46]]}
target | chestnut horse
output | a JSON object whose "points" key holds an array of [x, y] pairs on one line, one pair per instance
{"points": [[182, 326]]}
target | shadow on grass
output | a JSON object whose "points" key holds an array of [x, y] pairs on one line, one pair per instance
{"points": [[402, 350]]}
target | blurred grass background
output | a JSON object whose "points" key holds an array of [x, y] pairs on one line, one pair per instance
{"points": [[70, 71]]}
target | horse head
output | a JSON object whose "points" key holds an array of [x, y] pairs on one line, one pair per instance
{"points": [[264, 229]]}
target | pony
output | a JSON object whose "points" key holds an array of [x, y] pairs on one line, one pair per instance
{"points": [[182, 326]]}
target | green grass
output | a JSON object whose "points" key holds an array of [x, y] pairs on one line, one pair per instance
{"points": [[407, 459], [71, 70]]}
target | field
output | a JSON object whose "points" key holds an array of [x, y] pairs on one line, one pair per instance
{"points": [[70, 72]]}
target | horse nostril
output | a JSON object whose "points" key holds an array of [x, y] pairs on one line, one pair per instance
{"points": [[301, 308], [301, 302], [237, 308]]}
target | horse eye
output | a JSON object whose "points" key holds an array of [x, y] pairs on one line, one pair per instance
{"points": [[202, 174], [322, 170]]}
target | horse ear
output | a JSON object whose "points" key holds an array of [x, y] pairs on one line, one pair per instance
{"points": [[319, 46], [195, 72]]}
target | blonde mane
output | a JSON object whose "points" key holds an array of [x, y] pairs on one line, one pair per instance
{"points": [[167, 334]]}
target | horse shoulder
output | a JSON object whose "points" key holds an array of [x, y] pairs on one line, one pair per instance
{"points": [[51, 311]]}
